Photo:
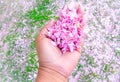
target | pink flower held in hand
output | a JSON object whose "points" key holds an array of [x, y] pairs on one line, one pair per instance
{"points": [[67, 31]]}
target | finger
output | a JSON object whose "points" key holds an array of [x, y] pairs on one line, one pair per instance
{"points": [[43, 32]]}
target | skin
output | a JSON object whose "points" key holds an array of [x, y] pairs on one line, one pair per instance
{"points": [[54, 66]]}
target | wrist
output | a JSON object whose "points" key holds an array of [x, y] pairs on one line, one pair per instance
{"points": [[49, 75]]}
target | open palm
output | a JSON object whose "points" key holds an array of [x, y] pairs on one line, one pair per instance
{"points": [[51, 57]]}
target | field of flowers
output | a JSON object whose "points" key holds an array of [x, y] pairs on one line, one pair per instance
{"points": [[20, 21]]}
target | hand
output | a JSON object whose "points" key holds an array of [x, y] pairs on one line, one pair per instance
{"points": [[51, 58]]}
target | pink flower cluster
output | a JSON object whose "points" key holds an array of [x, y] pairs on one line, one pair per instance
{"points": [[66, 32]]}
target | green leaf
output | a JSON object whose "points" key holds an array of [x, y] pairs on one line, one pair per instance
{"points": [[10, 37], [41, 8], [45, 2], [107, 68], [20, 25], [79, 66], [74, 73], [8, 53], [117, 53], [48, 12], [32, 61], [32, 45], [94, 75], [90, 60], [86, 77], [28, 69], [16, 72]]}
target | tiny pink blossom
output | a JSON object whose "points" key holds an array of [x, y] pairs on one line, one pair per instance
{"points": [[66, 32]]}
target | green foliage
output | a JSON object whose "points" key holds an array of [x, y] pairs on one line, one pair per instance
{"points": [[43, 2], [8, 53], [86, 77], [89, 77], [24, 77], [90, 60], [32, 59], [32, 45], [107, 68], [32, 62], [16, 72], [46, 1], [74, 74], [28, 69], [79, 66], [94, 75], [117, 53], [40, 14], [20, 25], [10, 37]]}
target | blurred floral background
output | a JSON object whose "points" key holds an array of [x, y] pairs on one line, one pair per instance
{"points": [[20, 21]]}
